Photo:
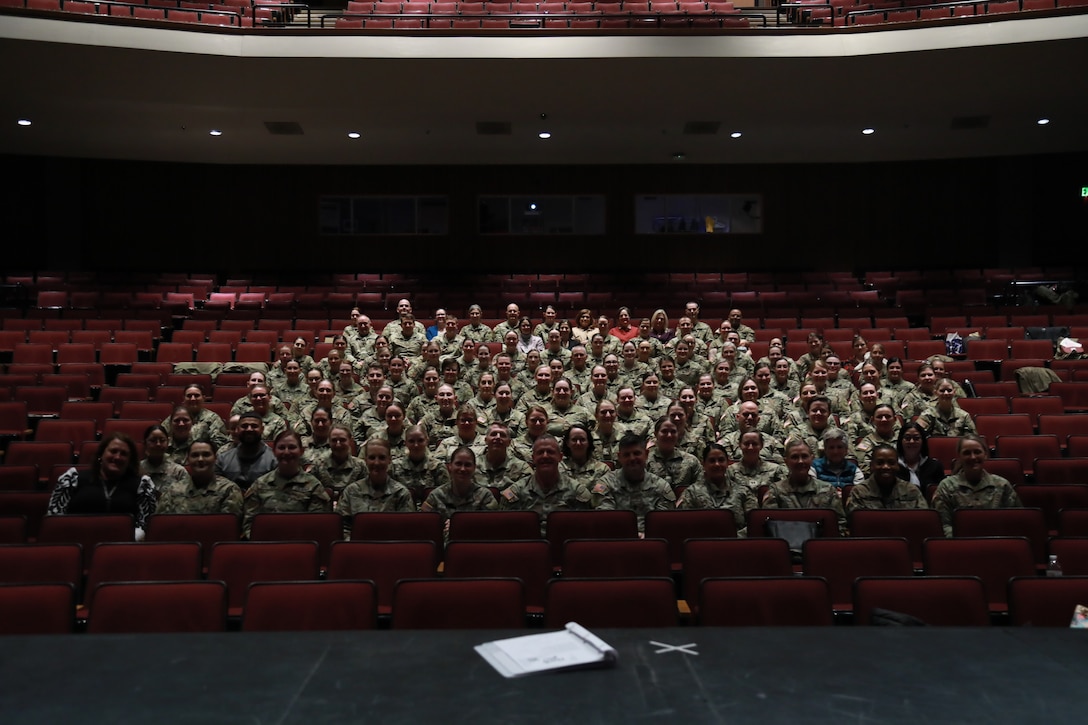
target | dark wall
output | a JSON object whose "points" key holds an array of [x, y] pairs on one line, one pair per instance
{"points": [[93, 214]]}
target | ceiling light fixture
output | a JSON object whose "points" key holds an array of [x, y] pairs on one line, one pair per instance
{"points": [[544, 135], [1043, 121], [735, 134], [868, 131], [215, 132], [354, 134], [24, 121]]}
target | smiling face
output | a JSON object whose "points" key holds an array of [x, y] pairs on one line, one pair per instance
{"points": [[155, 445], [884, 421], [546, 457], [884, 466], [606, 416], [536, 423], [715, 465], [288, 452], [340, 443], [667, 436], [578, 444], [799, 462], [181, 424], [201, 460], [377, 459], [462, 468], [751, 446], [632, 459]]}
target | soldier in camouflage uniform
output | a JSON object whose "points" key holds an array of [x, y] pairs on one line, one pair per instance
{"points": [[578, 461], [203, 492], [377, 492], [972, 487], [156, 465], [883, 489], [462, 493], [287, 489], [676, 467], [801, 489], [548, 489], [748, 420], [631, 487], [715, 491], [495, 467], [337, 466], [475, 329], [418, 469], [751, 469]]}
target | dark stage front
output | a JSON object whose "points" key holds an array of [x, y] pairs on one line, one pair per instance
{"points": [[834, 675]]}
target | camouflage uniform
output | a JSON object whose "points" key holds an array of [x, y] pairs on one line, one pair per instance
{"points": [[863, 449], [679, 469], [605, 449], [478, 333], [301, 493], [772, 447], [447, 446], [655, 410], [587, 475], [764, 473], [957, 424], [652, 493], [503, 475], [915, 402], [813, 494], [275, 405], [867, 495], [638, 422], [439, 428], [164, 474], [336, 476], [559, 421], [221, 496], [293, 395], [446, 501], [417, 476], [895, 393], [736, 498], [527, 495], [360, 497], [689, 371], [420, 406], [955, 492]]}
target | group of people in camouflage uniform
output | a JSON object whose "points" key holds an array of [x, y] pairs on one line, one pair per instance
{"points": [[632, 415]]}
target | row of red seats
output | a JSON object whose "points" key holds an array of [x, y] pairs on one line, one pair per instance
{"points": [[495, 602], [994, 563]]}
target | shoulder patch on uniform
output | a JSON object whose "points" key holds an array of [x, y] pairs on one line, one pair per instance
{"points": [[864, 445], [600, 487], [426, 506], [509, 494]]}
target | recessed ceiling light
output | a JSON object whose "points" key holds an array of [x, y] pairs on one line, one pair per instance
{"points": [[215, 132], [868, 131], [735, 134], [679, 156], [24, 122], [354, 134], [1043, 121], [544, 134]]}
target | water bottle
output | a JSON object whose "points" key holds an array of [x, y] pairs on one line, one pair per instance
{"points": [[1053, 568]]}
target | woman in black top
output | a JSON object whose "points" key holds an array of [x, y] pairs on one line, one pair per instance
{"points": [[113, 485], [915, 465]]}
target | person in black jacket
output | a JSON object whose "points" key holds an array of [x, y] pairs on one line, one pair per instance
{"points": [[915, 465]]}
